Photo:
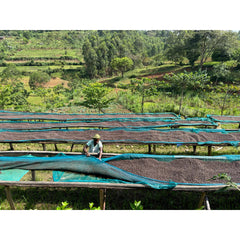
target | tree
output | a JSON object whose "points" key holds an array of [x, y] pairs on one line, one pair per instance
{"points": [[102, 59], [13, 95], [38, 79], [95, 96], [90, 58], [19, 95], [5, 93], [221, 73], [10, 73], [50, 98], [145, 87], [221, 54], [175, 47], [122, 64], [210, 40], [192, 48], [182, 82]]}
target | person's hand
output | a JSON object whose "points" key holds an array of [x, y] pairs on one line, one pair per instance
{"points": [[87, 154]]}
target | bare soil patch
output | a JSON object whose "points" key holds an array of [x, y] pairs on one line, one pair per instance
{"points": [[56, 81]]}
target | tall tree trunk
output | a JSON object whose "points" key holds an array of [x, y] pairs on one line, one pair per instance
{"points": [[224, 101]]}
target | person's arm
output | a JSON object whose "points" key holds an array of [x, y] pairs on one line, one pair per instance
{"points": [[86, 151], [100, 153]]}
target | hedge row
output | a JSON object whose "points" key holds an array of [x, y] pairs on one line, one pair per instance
{"points": [[40, 58], [32, 63]]}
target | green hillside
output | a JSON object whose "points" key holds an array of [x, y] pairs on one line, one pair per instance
{"points": [[116, 59]]}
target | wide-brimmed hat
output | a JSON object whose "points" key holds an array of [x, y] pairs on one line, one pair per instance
{"points": [[96, 136]]}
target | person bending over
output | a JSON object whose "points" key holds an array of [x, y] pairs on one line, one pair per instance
{"points": [[95, 146]]}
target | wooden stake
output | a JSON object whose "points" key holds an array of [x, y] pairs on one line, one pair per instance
{"points": [[102, 195], [72, 147], [9, 197]]}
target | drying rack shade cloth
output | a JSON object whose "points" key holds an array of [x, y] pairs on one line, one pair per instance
{"points": [[155, 171], [126, 135], [12, 174]]}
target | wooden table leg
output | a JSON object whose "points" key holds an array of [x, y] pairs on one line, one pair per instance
{"points": [[55, 145], [194, 149], [9, 197], [33, 175], [11, 147], [149, 148], [209, 150], [154, 148], [44, 146], [201, 201]]}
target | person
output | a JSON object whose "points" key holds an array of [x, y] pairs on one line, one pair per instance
{"points": [[95, 146]]}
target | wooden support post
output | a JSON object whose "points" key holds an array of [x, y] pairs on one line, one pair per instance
{"points": [[11, 147], [102, 195], [72, 147], [9, 197], [33, 175], [44, 146], [55, 145], [201, 201], [194, 149], [149, 148], [209, 150]]}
